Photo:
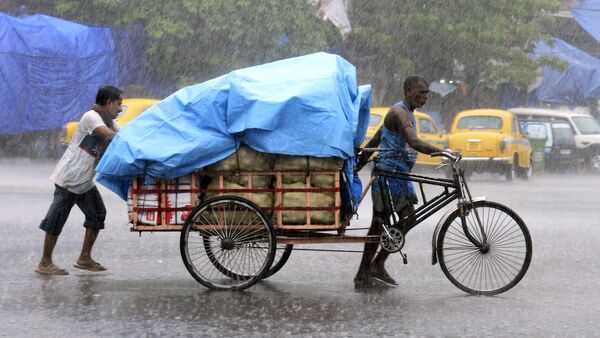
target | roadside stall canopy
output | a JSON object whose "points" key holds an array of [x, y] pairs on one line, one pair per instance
{"points": [[50, 71], [579, 82], [587, 15], [309, 105]]}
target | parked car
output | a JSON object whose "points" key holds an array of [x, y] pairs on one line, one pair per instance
{"points": [[491, 140], [131, 109], [559, 141], [586, 131], [427, 129], [563, 146], [375, 122]]}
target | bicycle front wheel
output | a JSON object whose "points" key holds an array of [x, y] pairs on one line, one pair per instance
{"points": [[495, 269]]}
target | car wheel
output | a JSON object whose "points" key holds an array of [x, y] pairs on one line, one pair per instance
{"points": [[509, 171], [525, 173], [595, 163]]}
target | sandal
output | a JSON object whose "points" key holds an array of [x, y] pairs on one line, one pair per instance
{"points": [[51, 270], [94, 266], [383, 277]]}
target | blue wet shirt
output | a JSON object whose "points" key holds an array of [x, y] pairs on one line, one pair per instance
{"points": [[402, 159]]}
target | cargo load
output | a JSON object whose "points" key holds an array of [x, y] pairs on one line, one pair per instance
{"points": [[294, 191], [309, 108]]}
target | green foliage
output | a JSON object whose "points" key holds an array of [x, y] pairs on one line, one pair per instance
{"points": [[490, 38], [192, 41], [476, 41], [554, 62]]}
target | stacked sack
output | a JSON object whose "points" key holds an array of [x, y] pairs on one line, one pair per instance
{"points": [[312, 165], [246, 159]]}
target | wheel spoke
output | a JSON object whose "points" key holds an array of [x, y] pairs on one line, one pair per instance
{"points": [[508, 271], [468, 265]]}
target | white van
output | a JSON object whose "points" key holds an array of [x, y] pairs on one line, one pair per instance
{"points": [[585, 127]]}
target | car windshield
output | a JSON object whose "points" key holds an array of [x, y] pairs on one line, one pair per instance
{"points": [[480, 122], [374, 120], [563, 134], [427, 127], [535, 129], [587, 125]]}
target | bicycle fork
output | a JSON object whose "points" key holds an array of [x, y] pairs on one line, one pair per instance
{"points": [[483, 245]]}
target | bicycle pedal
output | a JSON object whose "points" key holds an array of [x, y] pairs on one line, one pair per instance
{"points": [[404, 258]]}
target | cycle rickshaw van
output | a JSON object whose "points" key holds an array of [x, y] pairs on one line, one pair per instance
{"points": [[251, 163], [309, 107]]}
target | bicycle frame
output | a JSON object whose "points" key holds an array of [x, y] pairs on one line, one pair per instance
{"points": [[454, 189]]}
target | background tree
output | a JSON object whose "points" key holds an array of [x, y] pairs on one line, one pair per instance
{"points": [[192, 41], [480, 42]]}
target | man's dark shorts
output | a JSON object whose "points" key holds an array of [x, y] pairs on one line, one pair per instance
{"points": [[399, 202], [90, 203]]}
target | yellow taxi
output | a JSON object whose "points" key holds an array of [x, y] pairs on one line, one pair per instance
{"points": [[491, 140], [427, 130], [131, 109]]}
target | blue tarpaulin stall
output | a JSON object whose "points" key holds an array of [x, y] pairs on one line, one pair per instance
{"points": [[578, 83], [50, 71], [309, 105], [587, 15]]}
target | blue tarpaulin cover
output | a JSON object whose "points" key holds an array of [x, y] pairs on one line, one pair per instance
{"points": [[50, 71], [587, 15], [309, 105], [579, 82]]}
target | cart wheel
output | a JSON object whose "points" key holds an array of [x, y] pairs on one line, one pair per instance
{"points": [[281, 256], [493, 270], [282, 253], [228, 243]]}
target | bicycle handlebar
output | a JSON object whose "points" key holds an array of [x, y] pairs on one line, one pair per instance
{"points": [[447, 154]]}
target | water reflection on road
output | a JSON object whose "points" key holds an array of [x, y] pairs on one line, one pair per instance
{"points": [[148, 292]]}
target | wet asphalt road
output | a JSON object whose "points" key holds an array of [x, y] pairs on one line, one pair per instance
{"points": [[147, 292]]}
